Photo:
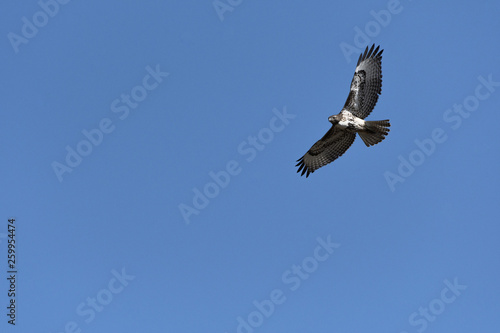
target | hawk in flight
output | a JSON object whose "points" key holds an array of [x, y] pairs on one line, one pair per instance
{"points": [[366, 85]]}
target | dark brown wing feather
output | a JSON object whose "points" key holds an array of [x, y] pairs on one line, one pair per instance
{"points": [[366, 85], [330, 147]]}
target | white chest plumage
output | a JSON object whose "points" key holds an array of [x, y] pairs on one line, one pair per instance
{"points": [[348, 120]]}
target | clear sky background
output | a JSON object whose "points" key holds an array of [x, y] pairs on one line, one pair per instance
{"points": [[112, 232]]}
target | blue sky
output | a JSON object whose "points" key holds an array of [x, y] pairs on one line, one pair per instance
{"points": [[149, 156]]}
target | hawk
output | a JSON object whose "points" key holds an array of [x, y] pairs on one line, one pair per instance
{"points": [[366, 86]]}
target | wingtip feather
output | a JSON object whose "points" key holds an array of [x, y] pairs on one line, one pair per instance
{"points": [[370, 52]]}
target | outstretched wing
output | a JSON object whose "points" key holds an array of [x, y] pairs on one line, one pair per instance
{"points": [[366, 84], [331, 146]]}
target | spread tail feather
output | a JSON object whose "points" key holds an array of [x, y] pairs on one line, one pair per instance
{"points": [[375, 132]]}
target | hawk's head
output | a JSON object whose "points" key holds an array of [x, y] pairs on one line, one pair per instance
{"points": [[334, 119]]}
